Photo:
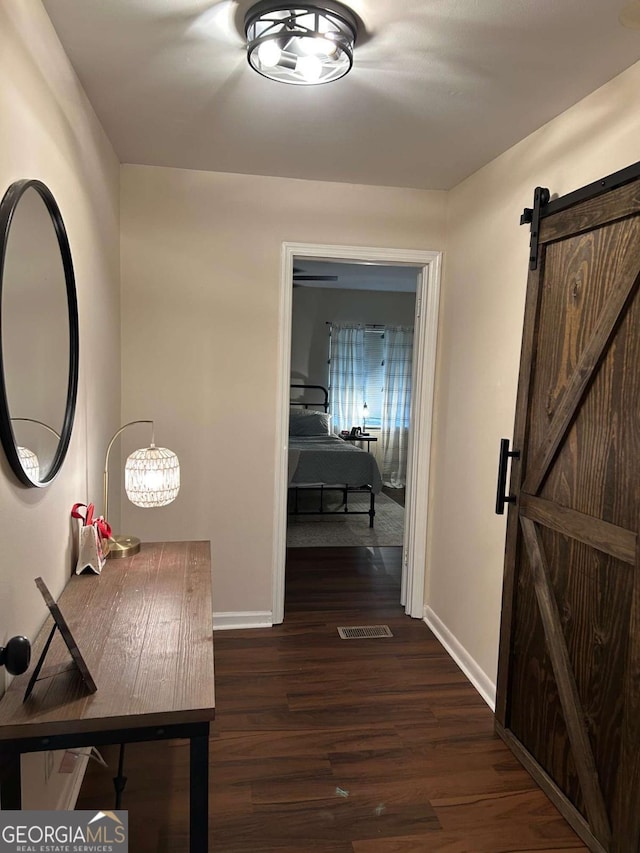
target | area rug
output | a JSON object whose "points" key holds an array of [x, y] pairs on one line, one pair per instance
{"points": [[317, 531]]}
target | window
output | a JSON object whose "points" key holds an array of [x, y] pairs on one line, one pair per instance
{"points": [[374, 365], [370, 365]]}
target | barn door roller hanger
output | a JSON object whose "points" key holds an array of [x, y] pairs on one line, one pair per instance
{"points": [[543, 206]]}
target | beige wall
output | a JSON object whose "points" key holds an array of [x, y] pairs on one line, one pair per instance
{"points": [[479, 345], [201, 287], [49, 131]]}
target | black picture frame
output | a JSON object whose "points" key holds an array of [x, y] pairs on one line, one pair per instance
{"points": [[59, 623]]}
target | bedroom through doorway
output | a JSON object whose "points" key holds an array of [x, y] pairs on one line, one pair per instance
{"points": [[352, 331], [426, 266]]}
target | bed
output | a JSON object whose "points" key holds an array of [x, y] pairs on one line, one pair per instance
{"points": [[321, 463]]}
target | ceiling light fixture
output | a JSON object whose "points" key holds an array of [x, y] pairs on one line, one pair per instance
{"points": [[303, 44]]}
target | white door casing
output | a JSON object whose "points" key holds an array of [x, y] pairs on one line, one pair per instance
{"points": [[419, 452]]}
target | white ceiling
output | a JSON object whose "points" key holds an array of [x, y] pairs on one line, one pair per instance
{"points": [[438, 87]]}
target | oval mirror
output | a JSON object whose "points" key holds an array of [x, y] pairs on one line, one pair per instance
{"points": [[38, 333]]}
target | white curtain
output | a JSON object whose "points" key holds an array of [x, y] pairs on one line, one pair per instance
{"points": [[346, 375], [396, 404]]}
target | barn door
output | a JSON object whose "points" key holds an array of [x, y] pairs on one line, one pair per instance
{"points": [[569, 674]]}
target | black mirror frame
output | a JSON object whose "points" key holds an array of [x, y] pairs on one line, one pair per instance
{"points": [[7, 209]]}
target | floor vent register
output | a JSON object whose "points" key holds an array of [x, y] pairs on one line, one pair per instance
{"points": [[364, 632]]}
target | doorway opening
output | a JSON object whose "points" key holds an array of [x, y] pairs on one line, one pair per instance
{"points": [[424, 268], [352, 333]]}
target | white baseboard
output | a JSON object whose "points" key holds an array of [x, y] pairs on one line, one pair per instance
{"points": [[477, 676], [243, 619]]}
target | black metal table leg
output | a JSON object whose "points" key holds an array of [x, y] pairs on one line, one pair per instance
{"points": [[120, 781], [11, 782], [199, 794]]}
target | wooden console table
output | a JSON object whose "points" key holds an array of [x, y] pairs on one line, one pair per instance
{"points": [[144, 628]]}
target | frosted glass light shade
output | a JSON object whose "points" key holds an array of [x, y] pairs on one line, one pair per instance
{"points": [[29, 462], [152, 476]]}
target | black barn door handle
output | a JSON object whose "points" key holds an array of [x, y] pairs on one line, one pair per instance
{"points": [[505, 455]]}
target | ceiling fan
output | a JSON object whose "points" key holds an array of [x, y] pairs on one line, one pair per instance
{"points": [[299, 275]]}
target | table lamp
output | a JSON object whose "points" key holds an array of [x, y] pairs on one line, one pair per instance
{"points": [[151, 479]]}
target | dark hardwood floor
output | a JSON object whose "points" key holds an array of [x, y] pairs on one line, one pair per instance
{"points": [[341, 746]]}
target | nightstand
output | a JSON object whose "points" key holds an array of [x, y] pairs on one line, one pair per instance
{"points": [[367, 438]]}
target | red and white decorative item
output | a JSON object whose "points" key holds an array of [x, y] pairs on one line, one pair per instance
{"points": [[92, 539]]}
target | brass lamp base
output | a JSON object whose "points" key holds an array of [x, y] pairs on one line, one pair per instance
{"points": [[122, 546]]}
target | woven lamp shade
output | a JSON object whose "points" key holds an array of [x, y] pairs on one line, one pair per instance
{"points": [[29, 462], [152, 477]]}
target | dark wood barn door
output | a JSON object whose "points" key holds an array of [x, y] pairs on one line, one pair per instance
{"points": [[569, 675]]}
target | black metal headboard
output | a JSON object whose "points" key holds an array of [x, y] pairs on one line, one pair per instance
{"points": [[307, 402]]}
